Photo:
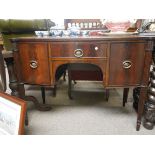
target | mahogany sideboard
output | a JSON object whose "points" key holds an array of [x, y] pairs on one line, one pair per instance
{"points": [[124, 60]]}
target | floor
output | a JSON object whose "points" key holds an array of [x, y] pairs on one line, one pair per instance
{"points": [[87, 114]]}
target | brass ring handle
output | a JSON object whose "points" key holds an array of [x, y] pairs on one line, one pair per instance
{"points": [[33, 64], [78, 53], [127, 64]]}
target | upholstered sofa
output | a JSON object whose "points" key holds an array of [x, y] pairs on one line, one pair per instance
{"points": [[10, 28]]}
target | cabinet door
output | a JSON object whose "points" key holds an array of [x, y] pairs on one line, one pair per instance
{"points": [[126, 63], [34, 63]]}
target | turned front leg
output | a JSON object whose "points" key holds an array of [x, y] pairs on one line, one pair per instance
{"points": [[13, 85], [149, 116]]}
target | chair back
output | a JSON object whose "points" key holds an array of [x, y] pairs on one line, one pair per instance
{"points": [[84, 24]]}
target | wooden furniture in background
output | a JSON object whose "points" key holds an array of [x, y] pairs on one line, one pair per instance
{"points": [[84, 24], [123, 59], [149, 116]]}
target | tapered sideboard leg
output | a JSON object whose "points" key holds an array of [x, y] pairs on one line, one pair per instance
{"points": [[142, 97], [125, 95]]}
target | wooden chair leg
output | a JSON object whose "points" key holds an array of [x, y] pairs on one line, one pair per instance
{"points": [[64, 76], [54, 90], [69, 86], [125, 95], [43, 94], [74, 82], [107, 94]]}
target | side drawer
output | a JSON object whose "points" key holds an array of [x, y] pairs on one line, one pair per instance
{"points": [[70, 49], [34, 63], [126, 63]]}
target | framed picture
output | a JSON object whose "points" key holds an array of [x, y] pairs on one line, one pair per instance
{"points": [[12, 115]]}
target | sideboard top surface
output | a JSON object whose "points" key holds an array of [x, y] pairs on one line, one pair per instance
{"points": [[84, 38]]}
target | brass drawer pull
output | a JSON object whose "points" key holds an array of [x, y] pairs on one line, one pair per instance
{"points": [[127, 64], [33, 64], [78, 53]]}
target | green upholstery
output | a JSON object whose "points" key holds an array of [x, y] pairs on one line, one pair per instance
{"points": [[12, 28], [8, 44]]}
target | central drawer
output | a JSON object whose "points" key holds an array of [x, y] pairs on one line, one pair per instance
{"points": [[78, 49]]}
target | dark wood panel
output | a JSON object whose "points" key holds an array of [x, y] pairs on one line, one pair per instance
{"points": [[86, 75], [83, 71], [31, 53], [63, 49], [121, 52]]}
